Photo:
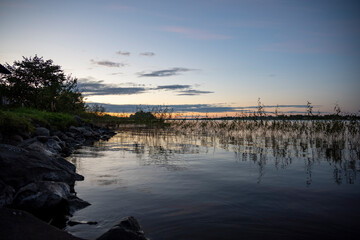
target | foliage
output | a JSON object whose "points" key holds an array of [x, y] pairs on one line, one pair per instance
{"points": [[143, 116], [25, 119], [38, 83]]}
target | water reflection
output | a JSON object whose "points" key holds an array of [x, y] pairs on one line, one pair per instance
{"points": [[191, 185], [167, 148]]}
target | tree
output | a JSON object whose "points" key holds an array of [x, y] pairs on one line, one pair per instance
{"points": [[38, 83]]}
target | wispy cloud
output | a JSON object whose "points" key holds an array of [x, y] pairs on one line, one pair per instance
{"points": [[165, 72], [123, 53], [147, 54], [107, 63], [195, 33], [173, 87], [90, 87], [192, 92]]}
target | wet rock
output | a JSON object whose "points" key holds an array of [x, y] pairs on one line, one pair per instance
{"points": [[53, 146], [76, 203], [74, 223], [127, 229], [20, 167], [17, 224], [48, 199], [6, 194], [42, 139], [42, 195], [16, 139], [41, 148], [41, 131]]}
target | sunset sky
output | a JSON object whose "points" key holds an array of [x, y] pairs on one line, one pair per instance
{"points": [[211, 56]]}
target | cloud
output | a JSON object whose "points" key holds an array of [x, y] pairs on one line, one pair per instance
{"points": [[91, 87], [94, 87], [195, 33], [197, 108], [123, 53], [165, 72], [192, 92], [107, 63], [172, 87], [147, 54]]}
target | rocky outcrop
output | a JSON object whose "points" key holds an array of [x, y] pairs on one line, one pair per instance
{"points": [[127, 229], [17, 224], [34, 176]]}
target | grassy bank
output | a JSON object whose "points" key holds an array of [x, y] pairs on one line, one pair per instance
{"points": [[24, 119]]}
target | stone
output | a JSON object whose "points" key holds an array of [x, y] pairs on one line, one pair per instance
{"points": [[41, 148], [17, 224], [20, 167], [53, 146], [41, 131], [6, 194], [16, 139], [127, 229], [42, 195]]}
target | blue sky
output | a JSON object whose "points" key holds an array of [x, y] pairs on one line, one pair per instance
{"points": [[220, 54]]}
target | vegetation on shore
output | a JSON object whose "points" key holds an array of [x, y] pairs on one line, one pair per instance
{"points": [[37, 92]]}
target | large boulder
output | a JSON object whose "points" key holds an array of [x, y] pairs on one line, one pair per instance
{"points": [[17, 224], [127, 229], [6, 194], [20, 167], [42, 195], [41, 131]]}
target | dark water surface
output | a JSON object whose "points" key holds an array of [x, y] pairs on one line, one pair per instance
{"points": [[207, 187]]}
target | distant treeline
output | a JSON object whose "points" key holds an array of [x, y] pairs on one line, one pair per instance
{"points": [[283, 117]]}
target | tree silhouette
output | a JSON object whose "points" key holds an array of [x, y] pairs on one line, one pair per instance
{"points": [[38, 83]]}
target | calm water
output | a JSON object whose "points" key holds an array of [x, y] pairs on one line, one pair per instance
{"points": [[205, 187]]}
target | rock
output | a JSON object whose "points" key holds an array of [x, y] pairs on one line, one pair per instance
{"points": [[78, 120], [28, 142], [41, 131], [42, 195], [53, 146], [76, 203], [127, 229], [16, 139], [20, 167], [48, 199], [41, 148], [6, 194], [74, 223], [42, 139], [17, 224]]}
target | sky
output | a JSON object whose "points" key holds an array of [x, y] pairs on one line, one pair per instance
{"points": [[200, 56]]}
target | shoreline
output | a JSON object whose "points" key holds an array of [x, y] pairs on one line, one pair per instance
{"points": [[37, 182]]}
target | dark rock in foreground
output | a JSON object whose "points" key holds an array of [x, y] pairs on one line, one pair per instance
{"points": [[17, 224], [35, 177], [127, 229]]}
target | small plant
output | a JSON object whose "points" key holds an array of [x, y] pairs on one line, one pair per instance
{"points": [[309, 108]]}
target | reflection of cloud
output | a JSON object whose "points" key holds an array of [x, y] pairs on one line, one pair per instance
{"points": [[192, 92], [173, 87], [123, 53], [93, 87], [147, 54], [107, 63], [165, 72], [194, 33], [199, 108]]}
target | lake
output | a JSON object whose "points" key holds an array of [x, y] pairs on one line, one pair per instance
{"points": [[181, 185]]}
